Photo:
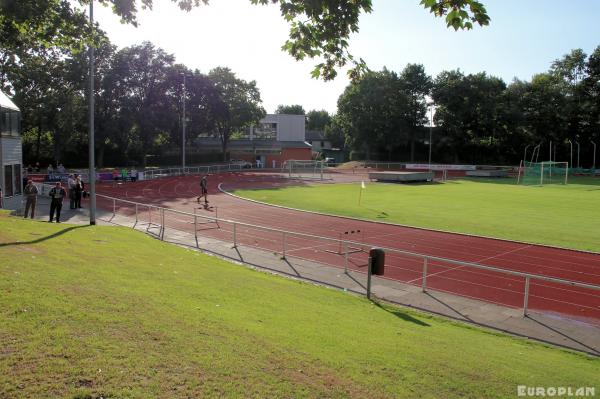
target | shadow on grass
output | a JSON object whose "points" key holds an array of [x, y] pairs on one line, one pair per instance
{"points": [[42, 239], [402, 315], [411, 183], [593, 350], [380, 214]]}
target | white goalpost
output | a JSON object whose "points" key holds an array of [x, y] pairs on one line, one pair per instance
{"points": [[302, 169], [540, 173]]}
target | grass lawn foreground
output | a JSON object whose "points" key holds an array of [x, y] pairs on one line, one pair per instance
{"points": [[559, 215], [106, 311]]}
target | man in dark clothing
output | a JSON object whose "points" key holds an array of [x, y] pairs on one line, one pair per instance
{"points": [[57, 194], [78, 189], [203, 189], [31, 192]]}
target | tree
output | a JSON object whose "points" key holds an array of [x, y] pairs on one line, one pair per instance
{"points": [[317, 120], [295, 109], [466, 111], [237, 106], [335, 131], [591, 93], [570, 72], [139, 78], [416, 85], [373, 110], [46, 87], [318, 28]]}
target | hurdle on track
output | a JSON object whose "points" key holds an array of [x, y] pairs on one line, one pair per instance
{"points": [[344, 236]]}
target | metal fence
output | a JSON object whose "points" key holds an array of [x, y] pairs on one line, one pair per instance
{"points": [[157, 219], [150, 174]]}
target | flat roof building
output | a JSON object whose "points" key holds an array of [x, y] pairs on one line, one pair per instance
{"points": [[11, 154]]}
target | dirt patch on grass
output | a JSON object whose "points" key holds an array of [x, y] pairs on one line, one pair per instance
{"points": [[351, 165]]}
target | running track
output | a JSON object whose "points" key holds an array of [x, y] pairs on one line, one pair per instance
{"points": [[575, 303]]}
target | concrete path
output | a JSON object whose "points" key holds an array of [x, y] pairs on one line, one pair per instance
{"points": [[541, 327]]}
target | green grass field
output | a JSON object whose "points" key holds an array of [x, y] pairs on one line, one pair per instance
{"points": [[565, 216], [105, 311]]}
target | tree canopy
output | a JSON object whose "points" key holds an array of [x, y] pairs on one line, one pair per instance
{"points": [[319, 29], [478, 118], [295, 109]]}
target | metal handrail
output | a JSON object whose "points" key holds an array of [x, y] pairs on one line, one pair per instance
{"points": [[347, 243]]}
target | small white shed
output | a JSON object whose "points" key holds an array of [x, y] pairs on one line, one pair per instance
{"points": [[11, 154]]}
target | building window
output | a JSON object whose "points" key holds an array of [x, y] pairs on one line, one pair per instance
{"points": [[18, 179], [10, 122], [266, 131], [8, 181], [13, 184]]}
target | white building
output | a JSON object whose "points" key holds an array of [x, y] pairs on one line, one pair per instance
{"points": [[280, 127], [11, 156]]}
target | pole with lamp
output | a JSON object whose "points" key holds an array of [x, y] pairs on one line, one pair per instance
{"points": [[92, 172], [430, 105], [183, 126], [594, 158]]}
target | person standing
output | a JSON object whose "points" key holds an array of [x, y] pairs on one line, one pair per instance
{"points": [[31, 192], [25, 176], [71, 188], [203, 189], [78, 191], [134, 174], [56, 194]]}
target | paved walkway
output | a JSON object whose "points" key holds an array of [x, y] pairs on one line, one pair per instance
{"points": [[542, 327]]}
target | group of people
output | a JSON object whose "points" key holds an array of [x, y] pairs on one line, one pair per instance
{"points": [[125, 175], [76, 191], [60, 169], [57, 194], [75, 185]]}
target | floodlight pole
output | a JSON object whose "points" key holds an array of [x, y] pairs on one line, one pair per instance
{"points": [[578, 148], [594, 157], [92, 172], [571, 144], [430, 131], [183, 130]]}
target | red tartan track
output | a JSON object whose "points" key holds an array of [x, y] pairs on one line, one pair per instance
{"points": [[564, 301]]}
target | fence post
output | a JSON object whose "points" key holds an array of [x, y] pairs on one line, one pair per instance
{"points": [[284, 244], [526, 300], [136, 214], [114, 207], [369, 271], [424, 283], [234, 235], [162, 224], [346, 257]]}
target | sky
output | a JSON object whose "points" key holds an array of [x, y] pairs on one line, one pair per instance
{"points": [[524, 37]]}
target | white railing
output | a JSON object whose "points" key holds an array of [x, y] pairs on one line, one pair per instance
{"points": [[346, 245], [150, 174]]}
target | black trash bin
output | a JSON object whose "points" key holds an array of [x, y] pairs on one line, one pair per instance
{"points": [[377, 256]]}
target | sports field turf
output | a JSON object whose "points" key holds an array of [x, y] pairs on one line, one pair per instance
{"points": [[105, 311], [565, 216]]}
